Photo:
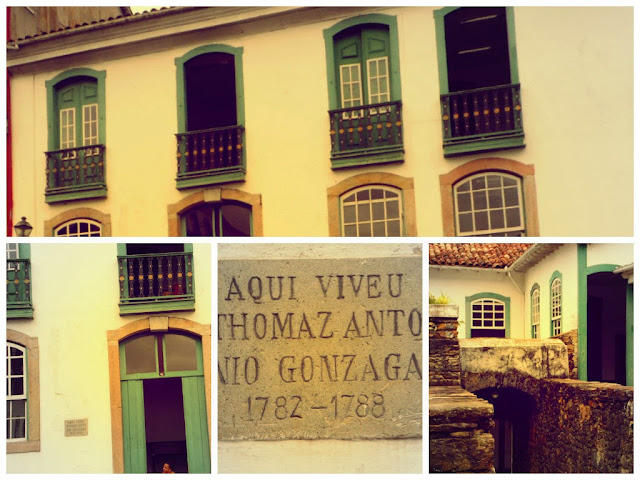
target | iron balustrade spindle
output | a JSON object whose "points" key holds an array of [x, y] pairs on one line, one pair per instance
{"points": [[481, 113]]}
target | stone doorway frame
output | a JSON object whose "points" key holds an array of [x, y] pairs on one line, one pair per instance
{"points": [[148, 325]]}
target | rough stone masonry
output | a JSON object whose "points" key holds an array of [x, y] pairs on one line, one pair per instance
{"points": [[313, 348]]}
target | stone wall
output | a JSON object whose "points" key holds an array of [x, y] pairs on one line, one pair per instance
{"points": [[459, 422], [583, 427], [570, 339], [576, 427], [444, 350]]}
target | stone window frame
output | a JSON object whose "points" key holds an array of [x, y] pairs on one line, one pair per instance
{"points": [[526, 173], [78, 214], [212, 195], [148, 325], [404, 184], [493, 296], [556, 279], [32, 443], [535, 289]]}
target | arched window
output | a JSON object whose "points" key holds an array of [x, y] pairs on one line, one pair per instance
{"points": [[535, 311], [160, 355], [372, 211], [556, 304], [77, 134], [210, 136], [16, 392], [363, 71], [489, 204], [487, 315], [223, 219], [81, 227], [479, 86]]}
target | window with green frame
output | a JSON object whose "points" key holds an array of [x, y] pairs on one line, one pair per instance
{"points": [[155, 277], [535, 311], [363, 71], [487, 315], [19, 303], [75, 160], [211, 130], [481, 108], [555, 304]]}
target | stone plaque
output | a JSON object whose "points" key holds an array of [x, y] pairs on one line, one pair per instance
{"points": [[311, 348], [76, 428]]}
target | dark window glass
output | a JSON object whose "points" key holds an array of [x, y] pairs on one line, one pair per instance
{"points": [[477, 48]]}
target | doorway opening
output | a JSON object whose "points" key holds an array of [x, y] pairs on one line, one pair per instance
{"points": [[606, 328], [513, 414], [164, 425]]}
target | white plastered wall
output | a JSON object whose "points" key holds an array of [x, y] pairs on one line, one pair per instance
{"points": [[318, 456], [609, 253], [457, 284], [576, 71], [565, 261], [75, 297]]}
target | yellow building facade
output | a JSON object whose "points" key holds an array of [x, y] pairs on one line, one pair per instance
{"points": [[288, 151]]}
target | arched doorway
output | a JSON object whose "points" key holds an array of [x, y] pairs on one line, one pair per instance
{"points": [[153, 370], [164, 414], [513, 413]]}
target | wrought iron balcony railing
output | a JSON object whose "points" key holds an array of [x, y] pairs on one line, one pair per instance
{"points": [[76, 173], [18, 285], [482, 115], [156, 278], [367, 131], [210, 156]]}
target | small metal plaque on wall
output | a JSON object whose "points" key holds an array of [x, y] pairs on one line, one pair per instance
{"points": [[76, 428]]}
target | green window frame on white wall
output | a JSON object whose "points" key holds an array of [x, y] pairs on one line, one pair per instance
{"points": [[488, 315], [19, 286], [156, 278], [535, 310], [555, 303], [211, 140], [76, 156], [363, 70], [479, 82]]}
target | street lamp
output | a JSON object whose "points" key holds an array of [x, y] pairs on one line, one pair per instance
{"points": [[23, 228]]}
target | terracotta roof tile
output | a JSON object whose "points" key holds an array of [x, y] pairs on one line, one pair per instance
{"points": [[480, 255]]}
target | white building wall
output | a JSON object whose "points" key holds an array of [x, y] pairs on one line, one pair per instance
{"points": [[609, 253], [575, 67], [565, 261], [75, 295], [459, 283]]}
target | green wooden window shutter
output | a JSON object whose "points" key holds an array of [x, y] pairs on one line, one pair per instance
{"points": [[195, 422], [133, 427], [73, 125]]}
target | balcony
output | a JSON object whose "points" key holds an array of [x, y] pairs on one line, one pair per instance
{"points": [[366, 135], [481, 120], [210, 157], [156, 282], [19, 289], [76, 173]]}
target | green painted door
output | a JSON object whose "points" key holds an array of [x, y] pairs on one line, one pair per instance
{"points": [[195, 421], [133, 428]]}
